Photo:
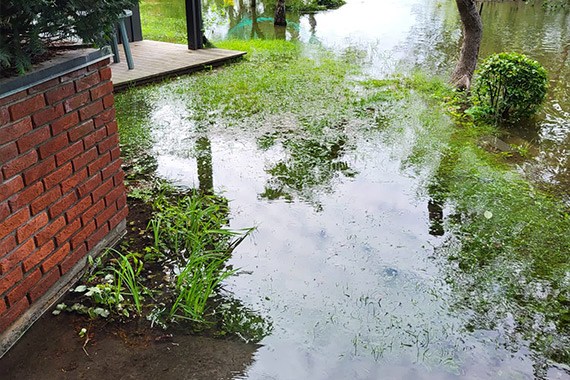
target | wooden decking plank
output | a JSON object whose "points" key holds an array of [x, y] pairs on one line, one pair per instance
{"points": [[156, 60]]}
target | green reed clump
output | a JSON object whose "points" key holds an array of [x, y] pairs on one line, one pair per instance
{"points": [[191, 231]]}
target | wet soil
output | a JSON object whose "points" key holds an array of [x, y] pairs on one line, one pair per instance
{"points": [[53, 348]]}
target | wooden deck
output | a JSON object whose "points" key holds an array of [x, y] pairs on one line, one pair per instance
{"points": [[155, 60]]}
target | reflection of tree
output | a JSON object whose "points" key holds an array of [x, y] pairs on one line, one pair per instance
{"points": [[204, 161], [506, 277], [312, 164]]}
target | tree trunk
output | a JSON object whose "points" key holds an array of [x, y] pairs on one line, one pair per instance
{"points": [[280, 14], [472, 33]]}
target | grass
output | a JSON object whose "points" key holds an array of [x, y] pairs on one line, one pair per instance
{"points": [[507, 243], [507, 250]]}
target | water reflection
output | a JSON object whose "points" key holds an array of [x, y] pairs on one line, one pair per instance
{"points": [[343, 257]]}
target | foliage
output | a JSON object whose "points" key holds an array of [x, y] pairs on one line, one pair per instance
{"points": [[509, 87], [307, 6], [28, 27], [506, 251]]}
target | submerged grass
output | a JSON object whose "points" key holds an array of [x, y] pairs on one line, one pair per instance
{"points": [[507, 251]]}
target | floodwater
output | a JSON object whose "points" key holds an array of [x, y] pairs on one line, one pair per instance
{"points": [[343, 262]]}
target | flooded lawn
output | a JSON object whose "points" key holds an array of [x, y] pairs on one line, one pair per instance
{"points": [[389, 243]]}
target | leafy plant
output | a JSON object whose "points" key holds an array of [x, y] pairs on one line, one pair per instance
{"points": [[509, 87], [28, 27]]}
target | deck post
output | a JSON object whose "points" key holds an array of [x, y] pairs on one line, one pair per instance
{"points": [[194, 24]]}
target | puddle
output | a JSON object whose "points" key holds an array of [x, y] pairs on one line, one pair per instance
{"points": [[346, 258]]}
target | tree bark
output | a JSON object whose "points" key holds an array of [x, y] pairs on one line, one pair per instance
{"points": [[472, 33], [279, 18]]}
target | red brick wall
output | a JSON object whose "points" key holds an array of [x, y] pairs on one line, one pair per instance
{"points": [[61, 188]]}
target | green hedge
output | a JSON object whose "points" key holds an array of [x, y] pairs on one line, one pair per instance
{"points": [[29, 27]]}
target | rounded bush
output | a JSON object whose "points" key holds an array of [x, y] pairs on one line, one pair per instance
{"points": [[509, 87]]}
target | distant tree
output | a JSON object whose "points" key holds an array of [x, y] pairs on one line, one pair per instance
{"points": [[472, 33], [279, 18]]}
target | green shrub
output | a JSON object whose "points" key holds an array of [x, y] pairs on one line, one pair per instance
{"points": [[509, 87], [29, 27]]}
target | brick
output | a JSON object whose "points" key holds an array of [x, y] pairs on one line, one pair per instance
{"points": [[86, 82], [60, 93], [4, 211], [9, 152], [108, 101], [5, 115], [92, 211], [7, 245], [91, 110], [58, 176], [46, 282], [78, 208], [104, 118], [115, 153], [94, 138], [121, 201], [67, 121], [29, 229], [76, 101], [114, 194], [112, 127], [119, 177], [54, 145], [3, 306], [97, 236], [13, 313], [55, 258], [26, 196], [73, 181], [15, 221], [86, 187], [43, 86], [38, 171], [72, 259], [108, 144], [118, 218], [50, 231], [72, 75], [80, 131], [80, 237], [102, 190], [68, 153], [33, 139], [16, 257], [12, 98], [98, 164], [10, 187], [99, 64], [66, 233], [38, 256], [101, 90], [104, 217], [10, 279], [20, 164], [110, 170], [105, 73], [85, 158], [47, 114], [63, 204], [45, 200], [22, 288], [13, 131], [27, 107]]}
